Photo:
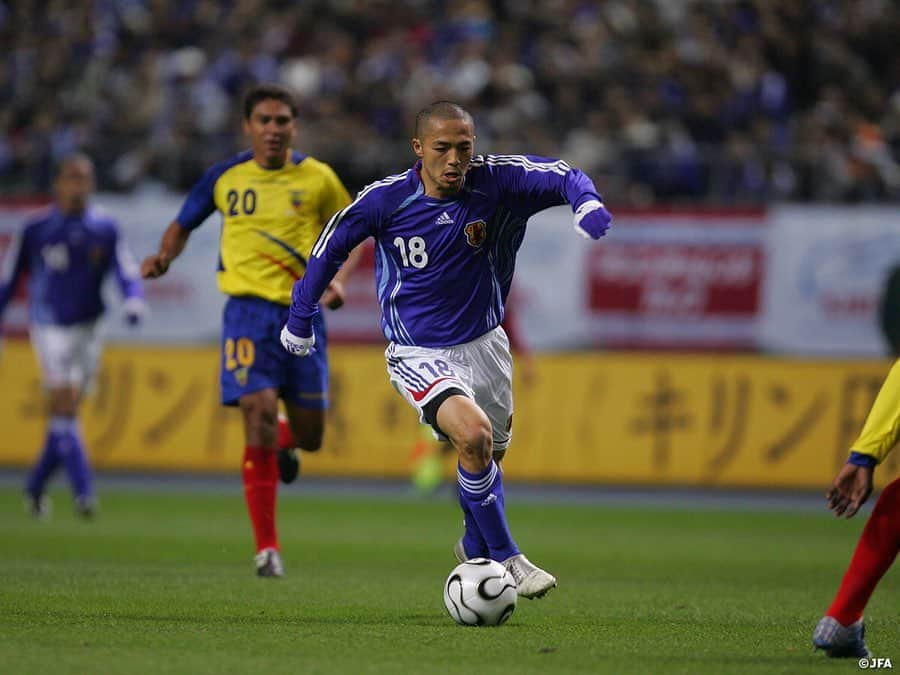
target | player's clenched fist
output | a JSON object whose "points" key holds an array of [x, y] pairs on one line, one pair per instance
{"points": [[592, 220], [154, 266], [298, 346]]}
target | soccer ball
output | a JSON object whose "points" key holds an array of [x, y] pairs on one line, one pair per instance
{"points": [[480, 592]]}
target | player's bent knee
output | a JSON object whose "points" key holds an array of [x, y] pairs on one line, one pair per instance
{"points": [[63, 402], [474, 444], [309, 440], [260, 419]]}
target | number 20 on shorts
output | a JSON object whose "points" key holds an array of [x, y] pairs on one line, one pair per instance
{"points": [[240, 352]]}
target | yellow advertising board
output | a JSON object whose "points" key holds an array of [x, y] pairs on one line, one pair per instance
{"points": [[645, 418]]}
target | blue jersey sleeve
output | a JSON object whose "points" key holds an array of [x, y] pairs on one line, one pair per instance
{"points": [[14, 263], [200, 202], [533, 183], [347, 228], [126, 269]]}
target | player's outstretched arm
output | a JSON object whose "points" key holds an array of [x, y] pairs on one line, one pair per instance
{"points": [[297, 336], [173, 241], [342, 234], [14, 263], [333, 297]]}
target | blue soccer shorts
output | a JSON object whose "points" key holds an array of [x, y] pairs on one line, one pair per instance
{"points": [[253, 358]]}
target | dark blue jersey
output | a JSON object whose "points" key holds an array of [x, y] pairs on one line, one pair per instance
{"points": [[66, 259], [443, 267]]}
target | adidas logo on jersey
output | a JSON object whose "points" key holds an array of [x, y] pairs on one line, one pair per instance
{"points": [[444, 219]]}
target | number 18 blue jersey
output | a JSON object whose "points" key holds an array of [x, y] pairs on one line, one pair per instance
{"points": [[443, 267]]}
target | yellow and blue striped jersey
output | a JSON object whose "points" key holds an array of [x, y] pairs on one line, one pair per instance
{"points": [[270, 220], [881, 431]]}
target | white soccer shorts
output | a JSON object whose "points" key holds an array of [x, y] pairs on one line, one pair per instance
{"points": [[481, 368], [67, 355]]}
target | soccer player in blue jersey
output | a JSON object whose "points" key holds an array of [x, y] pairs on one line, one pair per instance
{"points": [[274, 203], [446, 235], [67, 250]]}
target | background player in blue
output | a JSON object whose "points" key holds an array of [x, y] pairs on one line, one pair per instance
{"points": [[446, 235], [67, 250], [274, 203]]}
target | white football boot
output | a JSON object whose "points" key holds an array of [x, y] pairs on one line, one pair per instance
{"points": [[268, 563], [531, 580], [841, 641]]}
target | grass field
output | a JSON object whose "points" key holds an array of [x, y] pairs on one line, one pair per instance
{"points": [[162, 582]]}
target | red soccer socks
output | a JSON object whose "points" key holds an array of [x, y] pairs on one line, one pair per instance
{"points": [[874, 554], [260, 475]]}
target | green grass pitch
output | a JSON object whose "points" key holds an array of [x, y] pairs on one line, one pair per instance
{"points": [[162, 582]]}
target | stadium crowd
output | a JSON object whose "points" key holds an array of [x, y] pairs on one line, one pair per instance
{"points": [[726, 102]]}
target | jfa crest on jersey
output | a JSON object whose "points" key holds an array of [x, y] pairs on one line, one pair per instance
{"points": [[476, 232], [270, 220]]}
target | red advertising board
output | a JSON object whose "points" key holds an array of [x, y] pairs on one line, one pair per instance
{"points": [[678, 280]]}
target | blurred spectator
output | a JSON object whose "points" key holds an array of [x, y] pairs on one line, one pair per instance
{"points": [[889, 311], [725, 102]]}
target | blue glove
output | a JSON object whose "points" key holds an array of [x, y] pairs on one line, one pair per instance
{"points": [[592, 220]]}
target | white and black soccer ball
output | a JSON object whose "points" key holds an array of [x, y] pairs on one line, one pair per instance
{"points": [[480, 592]]}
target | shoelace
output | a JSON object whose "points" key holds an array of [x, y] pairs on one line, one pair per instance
{"points": [[517, 572]]}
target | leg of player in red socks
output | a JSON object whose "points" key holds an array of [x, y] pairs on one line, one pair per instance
{"points": [[875, 552], [260, 476]]}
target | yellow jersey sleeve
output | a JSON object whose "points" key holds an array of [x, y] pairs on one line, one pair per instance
{"points": [[881, 430], [270, 220], [335, 195]]}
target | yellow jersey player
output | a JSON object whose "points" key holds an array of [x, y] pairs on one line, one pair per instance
{"points": [[274, 203], [841, 632]]}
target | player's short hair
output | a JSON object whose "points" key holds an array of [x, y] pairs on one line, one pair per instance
{"points": [[445, 110], [263, 92], [71, 158]]}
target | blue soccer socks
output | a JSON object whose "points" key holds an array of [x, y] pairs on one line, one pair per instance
{"points": [[44, 468], [474, 545], [63, 445], [70, 449], [481, 499]]}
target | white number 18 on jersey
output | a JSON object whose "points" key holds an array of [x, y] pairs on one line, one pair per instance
{"points": [[413, 253]]}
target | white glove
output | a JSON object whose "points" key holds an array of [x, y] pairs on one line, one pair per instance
{"points": [[298, 346], [135, 311]]}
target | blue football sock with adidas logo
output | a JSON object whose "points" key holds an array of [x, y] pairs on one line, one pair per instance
{"points": [[481, 496]]}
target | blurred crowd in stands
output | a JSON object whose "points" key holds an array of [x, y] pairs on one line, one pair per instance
{"points": [[716, 102]]}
